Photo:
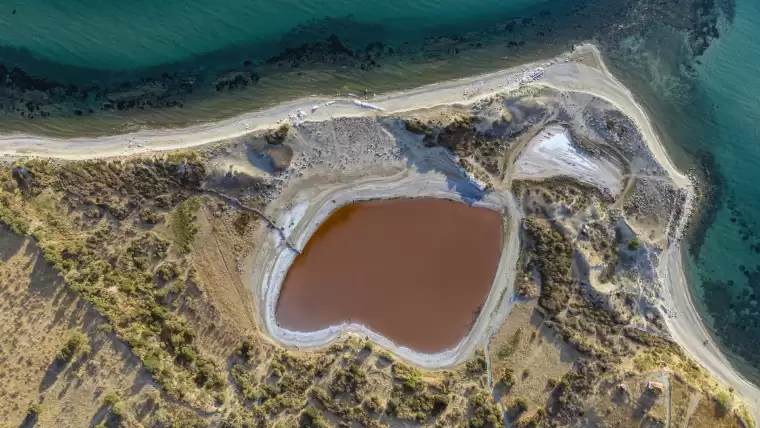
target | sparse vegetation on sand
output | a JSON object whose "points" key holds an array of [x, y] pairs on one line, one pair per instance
{"points": [[123, 236]]}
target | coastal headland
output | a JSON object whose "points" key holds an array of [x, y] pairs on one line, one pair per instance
{"points": [[592, 209]]}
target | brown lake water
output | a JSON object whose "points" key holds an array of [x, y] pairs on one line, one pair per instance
{"points": [[416, 271]]}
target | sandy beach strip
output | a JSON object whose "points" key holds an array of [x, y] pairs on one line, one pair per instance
{"points": [[462, 91]]}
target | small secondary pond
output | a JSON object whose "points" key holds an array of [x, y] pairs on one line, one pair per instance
{"points": [[416, 271]]}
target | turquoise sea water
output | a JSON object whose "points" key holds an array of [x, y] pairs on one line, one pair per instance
{"points": [[144, 33], [702, 91], [708, 111], [726, 268], [127, 64]]}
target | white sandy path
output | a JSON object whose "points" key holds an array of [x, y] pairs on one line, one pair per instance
{"points": [[685, 325], [551, 153]]}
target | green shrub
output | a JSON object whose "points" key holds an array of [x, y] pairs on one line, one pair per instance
{"points": [[168, 271], [245, 383], [507, 378], [724, 401], [75, 345], [554, 255], [111, 398], [150, 216], [349, 380], [118, 409], [152, 363], [477, 365], [247, 349], [485, 412], [416, 126], [634, 244], [183, 223], [521, 404], [34, 410], [276, 368], [311, 417], [12, 218], [374, 405], [410, 377]]}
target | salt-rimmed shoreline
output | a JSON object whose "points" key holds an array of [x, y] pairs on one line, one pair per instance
{"points": [[274, 259]]}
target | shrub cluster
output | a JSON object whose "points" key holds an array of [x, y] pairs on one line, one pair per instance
{"points": [[554, 254]]}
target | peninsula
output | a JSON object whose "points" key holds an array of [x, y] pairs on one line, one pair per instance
{"points": [[146, 275]]}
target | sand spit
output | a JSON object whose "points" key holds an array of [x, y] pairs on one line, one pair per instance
{"points": [[551, 153], [582, 70], [273, 260], [681, 316]]}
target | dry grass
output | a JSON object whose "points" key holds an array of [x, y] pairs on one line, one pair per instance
{"points": [[219, 255], [707, 414], [682, 398], [37, 315], [524, 343]]}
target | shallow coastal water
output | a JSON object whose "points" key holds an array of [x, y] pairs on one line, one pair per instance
{"points": [[416, 271], [115, 68], [728, 262], [170, 63], [706, 110], [119, 36]]}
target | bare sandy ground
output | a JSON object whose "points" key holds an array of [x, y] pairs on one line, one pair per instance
{"points": [[550, 153], [565, 73]]}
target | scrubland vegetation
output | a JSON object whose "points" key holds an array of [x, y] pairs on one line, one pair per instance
{"points": [[141, 243], [122, 235]]}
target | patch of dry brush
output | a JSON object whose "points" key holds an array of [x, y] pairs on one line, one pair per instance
{"points": [[121, 234]]}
